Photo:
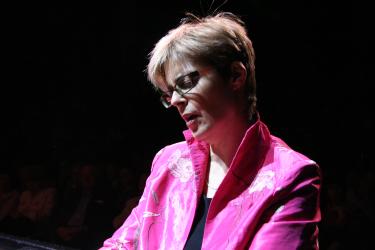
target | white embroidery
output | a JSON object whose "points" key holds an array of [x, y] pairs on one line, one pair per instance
{"points": [[120, 244], [180, 165], [282, 148], [149, 214], [264, 179], [179, 215]]}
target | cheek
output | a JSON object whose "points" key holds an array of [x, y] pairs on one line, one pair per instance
{"points": [[217, 103], [211, 113], [212, 97]]}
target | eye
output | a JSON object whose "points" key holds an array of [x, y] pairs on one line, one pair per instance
{"points": [[188, 82]]}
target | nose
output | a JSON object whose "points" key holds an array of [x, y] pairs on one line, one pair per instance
{"points": [[177, 99]]}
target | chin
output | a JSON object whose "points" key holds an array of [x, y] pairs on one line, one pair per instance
{"points": [[201, 134]]}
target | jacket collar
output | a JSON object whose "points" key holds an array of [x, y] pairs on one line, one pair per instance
{"points": [[248, 157]]}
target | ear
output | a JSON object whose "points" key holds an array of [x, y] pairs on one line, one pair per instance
{"points": [[238, 75]]}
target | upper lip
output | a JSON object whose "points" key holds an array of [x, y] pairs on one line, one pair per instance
{"points": [[188, 116]]}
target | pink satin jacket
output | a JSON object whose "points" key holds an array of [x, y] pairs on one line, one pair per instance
{"points": [[269, 199]]}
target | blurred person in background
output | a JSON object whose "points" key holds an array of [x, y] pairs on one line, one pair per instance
{"points": [[130, 203], [83, 217], [8, 198], [36, 204]]}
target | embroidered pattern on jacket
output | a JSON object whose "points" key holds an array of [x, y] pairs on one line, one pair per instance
{"points": [[179, 216], [149, 214], [180, 166], [264, 179]]}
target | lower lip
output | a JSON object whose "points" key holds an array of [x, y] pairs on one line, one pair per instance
{"points": [[192, 124]]}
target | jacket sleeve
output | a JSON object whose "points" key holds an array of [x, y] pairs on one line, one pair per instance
{"points": [[291, 222], [126, 237]]}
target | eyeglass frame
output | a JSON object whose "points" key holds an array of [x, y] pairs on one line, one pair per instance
{"points": [[166, 96]]}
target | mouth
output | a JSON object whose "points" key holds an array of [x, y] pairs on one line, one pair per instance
{"points": [[189, 117]]}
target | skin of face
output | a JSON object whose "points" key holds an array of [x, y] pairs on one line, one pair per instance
{"points": [[210, 109]]}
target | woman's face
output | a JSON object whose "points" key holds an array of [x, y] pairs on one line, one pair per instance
{"points": [[208, 107]]}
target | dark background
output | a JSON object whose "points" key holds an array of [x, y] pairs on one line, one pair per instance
{"points": [[77, 90]]}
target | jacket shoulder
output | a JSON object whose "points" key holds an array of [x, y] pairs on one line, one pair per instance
{"points": [[168, 151], [288, 163], [285, 155]]}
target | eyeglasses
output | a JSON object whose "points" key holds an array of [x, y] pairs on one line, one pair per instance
{"points": [[183, 85]]}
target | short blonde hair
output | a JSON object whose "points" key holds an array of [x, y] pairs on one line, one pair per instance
{"points": [[216, 40]]}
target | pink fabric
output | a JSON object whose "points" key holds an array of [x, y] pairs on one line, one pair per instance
{"points": [[268, 200]]}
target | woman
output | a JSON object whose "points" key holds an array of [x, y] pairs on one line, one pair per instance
{"points": [[230, 185]]}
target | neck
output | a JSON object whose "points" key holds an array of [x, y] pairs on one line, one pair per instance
{"points": [[224, 148]]}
